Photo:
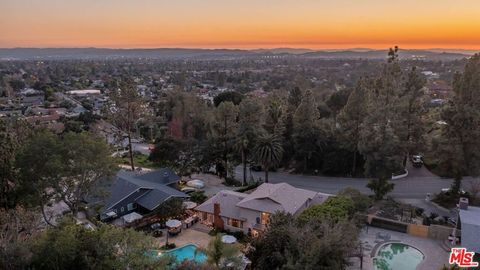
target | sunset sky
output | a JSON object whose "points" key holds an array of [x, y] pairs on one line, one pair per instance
{"points": [[240, 23]]}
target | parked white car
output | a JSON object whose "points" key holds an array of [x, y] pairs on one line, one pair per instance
{"points": [[188, 190]]}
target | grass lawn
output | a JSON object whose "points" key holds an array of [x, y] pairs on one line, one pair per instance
{"points": [[140, 161]]}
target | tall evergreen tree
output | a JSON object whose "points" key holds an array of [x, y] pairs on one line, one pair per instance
{"points": [[306, 133], [351, 120], [379, 144], [410, 127], [250, 126], [461, 134], [125, 109], [224, 128]]}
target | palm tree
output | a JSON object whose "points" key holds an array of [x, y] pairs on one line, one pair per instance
{"points": [[268, 152], [219, 253]]}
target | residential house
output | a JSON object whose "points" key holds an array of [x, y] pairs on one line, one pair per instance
{"points": [[469, 224], [133, 192], [250, 213]]}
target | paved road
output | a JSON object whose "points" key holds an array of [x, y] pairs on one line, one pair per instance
{"points": [[410, 187]]}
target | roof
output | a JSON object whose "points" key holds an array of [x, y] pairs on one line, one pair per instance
{"points": [[155, 197], [227, 200], [84, 92], [470, 216], [277, 197], [164, 176], [267, 198], [150, 193]]}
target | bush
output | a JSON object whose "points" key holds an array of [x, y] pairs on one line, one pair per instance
{"points": [[419, 211], [198, 197], [249, 187], [231, 182], [214, 232], [334, 208], [168, 246]]}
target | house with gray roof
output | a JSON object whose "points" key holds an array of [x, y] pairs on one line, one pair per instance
{"points": [[469, 224], [135, 192], [250, 213]]}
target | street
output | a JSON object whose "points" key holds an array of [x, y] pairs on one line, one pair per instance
{"points": [[414, 186]]}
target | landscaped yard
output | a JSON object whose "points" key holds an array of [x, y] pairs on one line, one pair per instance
{"points": [[140, 161]]}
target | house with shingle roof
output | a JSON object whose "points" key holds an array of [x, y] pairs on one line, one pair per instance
{"points": [[133, 192], [250, 213], [469, 217]]}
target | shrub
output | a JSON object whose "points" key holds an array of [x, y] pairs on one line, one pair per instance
{"points": [[198, 197], [334, 208], [419, 211], [168, 246], [231, 182], [249, 187]]}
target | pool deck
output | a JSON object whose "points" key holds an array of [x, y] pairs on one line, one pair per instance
{"points": [[193, 235], [435, 256]]}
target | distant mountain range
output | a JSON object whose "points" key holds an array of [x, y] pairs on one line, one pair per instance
{"points": [[180, 53]]}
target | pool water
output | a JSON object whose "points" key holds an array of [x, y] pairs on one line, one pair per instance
{"points": [[397, 256], [187, 252]]}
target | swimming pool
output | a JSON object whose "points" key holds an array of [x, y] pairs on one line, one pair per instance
{"points": [[397, 256], [187, 252]]}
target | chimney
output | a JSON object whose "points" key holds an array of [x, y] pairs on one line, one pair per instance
{"points": [[463, 204], [217, 219]]}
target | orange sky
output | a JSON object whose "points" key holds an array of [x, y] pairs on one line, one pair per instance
{"points": [[240, 23]]}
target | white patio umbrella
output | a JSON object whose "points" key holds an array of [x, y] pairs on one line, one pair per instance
{"points": [[173, 223], [229, 239], [189, 205]]}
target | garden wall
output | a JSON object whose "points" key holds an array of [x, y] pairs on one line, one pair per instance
{"points": [[439, 232], [436, 232], [388, 224], [418, 230]]}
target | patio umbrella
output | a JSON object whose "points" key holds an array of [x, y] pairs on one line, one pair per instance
{"points": [[229, 239], [189, 205], [173, 223]]}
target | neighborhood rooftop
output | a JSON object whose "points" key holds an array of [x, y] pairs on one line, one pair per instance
{"points": [[280, 197]]}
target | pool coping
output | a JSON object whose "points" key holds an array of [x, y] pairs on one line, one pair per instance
{"points": [[377, 247], [187, 244]]}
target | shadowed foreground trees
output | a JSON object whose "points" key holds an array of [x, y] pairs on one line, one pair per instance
{"points": [[67, 168], [312, 245], [70, 246]]}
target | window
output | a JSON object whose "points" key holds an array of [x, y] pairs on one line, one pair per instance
{"points": [[122, 209], [265, 218], [130, 207], [235, 223]]}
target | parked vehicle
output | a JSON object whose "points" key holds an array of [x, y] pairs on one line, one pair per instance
{"points": [[447, 190], [256, 168], [188, 190], [417, 161]]}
